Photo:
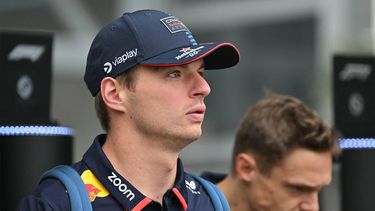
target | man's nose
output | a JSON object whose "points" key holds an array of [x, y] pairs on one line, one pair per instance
{"points": [[201, 86], [310, 203]]}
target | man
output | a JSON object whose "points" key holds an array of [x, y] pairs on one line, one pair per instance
{"points": [[145, 70], [282, 158]]}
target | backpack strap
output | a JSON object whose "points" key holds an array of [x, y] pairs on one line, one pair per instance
{"points": [[79, 199], [217, 197]]}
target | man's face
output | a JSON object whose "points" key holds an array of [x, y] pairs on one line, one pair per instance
{"points": [[167, 103], [294, 183]]}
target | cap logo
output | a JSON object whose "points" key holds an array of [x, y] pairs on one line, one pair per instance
{"points": [[107, 67], [173, 24], [188, 52], [120, 59]]}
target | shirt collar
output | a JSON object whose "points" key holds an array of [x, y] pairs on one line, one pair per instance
{"points": [[122, 190]]}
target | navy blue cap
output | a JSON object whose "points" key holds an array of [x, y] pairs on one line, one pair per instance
{"points": [[153, 38]]}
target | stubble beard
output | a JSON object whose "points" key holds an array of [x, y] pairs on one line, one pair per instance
{"points": [[170, 139]]}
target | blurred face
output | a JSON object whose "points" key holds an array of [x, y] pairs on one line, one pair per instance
{"points": [[167, 103], [293, 185]]}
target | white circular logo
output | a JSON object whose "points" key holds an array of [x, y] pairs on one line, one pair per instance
{"points": [[25, 87], [356, 104], [192, 185], [107, 67]]}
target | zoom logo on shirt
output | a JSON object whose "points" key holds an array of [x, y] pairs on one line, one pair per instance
{"points": [[121, 186]]}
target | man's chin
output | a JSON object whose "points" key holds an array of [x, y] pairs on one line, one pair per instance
{"points": [[190, 138], [196, 135]]}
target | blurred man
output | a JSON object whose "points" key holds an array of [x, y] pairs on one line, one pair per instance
{"points": [[282, 158]]}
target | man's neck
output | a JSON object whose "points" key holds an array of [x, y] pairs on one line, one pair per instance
{"points": [[151, 170], [235, 193]]}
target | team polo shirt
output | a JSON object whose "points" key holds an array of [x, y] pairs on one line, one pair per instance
{"points": [[108, 190]]}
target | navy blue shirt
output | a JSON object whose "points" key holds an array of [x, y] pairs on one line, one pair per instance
{"points": [[108, 190]]}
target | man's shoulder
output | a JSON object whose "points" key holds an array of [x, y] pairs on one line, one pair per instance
{"points": [[202, 194], [50, 194]]}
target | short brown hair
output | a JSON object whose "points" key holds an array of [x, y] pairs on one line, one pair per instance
{"points": [[125, 79], [278, 124]]}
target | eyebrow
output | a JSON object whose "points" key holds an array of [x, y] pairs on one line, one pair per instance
{"points": [[200, 67], [305, 186], [184, 66]]}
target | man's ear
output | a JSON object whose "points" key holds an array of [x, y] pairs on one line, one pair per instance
{"points": [[246, 166], [112, 94]]}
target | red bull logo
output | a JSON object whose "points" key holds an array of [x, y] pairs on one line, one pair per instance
{"points": [[92, 191], [93, 186]]}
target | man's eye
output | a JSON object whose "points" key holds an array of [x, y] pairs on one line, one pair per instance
{"points": [[174, 74]]}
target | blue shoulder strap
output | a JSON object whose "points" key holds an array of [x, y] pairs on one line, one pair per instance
{"points": [[79, 199], [217, 197]]}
